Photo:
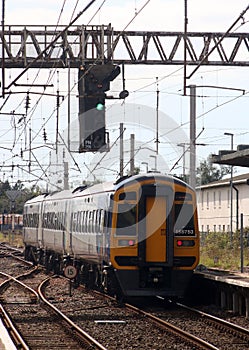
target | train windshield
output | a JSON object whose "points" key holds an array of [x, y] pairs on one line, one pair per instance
{"points": [[184, 220], [126, 219]]}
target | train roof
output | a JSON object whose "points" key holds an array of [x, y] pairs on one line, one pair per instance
{"points": [[94, 189], [158, 176], [113, 186], [36, 199], [105, 187]]}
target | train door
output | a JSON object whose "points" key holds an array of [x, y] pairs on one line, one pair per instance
{"points": [[67, 232], [64, 227], [156, 229], [155, 226], [40, 230]]}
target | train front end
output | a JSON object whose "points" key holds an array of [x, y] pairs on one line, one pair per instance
{"points": [[154, 243]]}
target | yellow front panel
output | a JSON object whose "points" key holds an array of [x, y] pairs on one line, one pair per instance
{"points": [[156, 229]]}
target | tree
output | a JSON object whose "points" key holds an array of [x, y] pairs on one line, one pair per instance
{"points": [[25, 194], [207, 172]]}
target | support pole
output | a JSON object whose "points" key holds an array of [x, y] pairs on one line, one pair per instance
{"points": [[132, 154], [68, 108], [57, 115], [185, 45], [66, 184], [157, 116], [192, 177], [241, 244], [3, 52], [121, 164]]}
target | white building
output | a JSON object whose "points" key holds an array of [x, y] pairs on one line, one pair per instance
{"points": [[214, 204]]}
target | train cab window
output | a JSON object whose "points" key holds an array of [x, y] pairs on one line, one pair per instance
{"points": [[128, 196], [126, 219], [184, 220]]}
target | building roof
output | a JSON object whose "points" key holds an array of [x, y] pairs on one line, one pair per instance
{"points": [[239, 179]]}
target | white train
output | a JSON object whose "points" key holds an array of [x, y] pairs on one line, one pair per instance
{"points": [[137, 237]]}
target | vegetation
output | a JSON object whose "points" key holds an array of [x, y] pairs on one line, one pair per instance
{"points": [[6, 206], [218, 251], [207, 172], [13, 239]]}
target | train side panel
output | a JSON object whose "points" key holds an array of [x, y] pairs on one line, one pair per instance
{"points": [[31, 221], [54, 233], [87, 226]]}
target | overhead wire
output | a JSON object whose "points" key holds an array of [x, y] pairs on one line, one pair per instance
{"points": [[105, 51], [35, 78], [89, 4], [201, 114]]}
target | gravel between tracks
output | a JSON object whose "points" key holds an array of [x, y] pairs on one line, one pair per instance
{"points": [[98, 317], [115, 328]]}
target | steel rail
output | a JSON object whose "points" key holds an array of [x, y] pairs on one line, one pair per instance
{"points": [[40, 296], [233, 326], [187, 336], [175, 330], [80, 332], [13, 332], [15, 279]]}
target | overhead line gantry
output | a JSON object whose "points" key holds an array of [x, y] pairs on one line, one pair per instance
{"points": [[26, 45]]}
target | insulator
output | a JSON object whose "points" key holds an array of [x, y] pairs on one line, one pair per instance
{"points": [[27, 103], [44, 135]]}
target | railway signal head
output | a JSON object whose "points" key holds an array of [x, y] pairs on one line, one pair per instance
{"points": [[94, 81]]}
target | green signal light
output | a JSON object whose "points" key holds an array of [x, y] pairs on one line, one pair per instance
{"points": [[100, 106]]}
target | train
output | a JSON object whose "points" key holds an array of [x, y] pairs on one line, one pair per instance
{"points": [[11, 222], [136, 237]]}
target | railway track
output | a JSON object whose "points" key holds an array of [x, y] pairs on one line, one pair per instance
{"points": [[33, 322], [238, 336], [184, 328], [220, 333], [103, 319], [118, 327]]}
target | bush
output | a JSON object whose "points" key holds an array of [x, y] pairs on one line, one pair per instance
{"points": [[217, 250]]}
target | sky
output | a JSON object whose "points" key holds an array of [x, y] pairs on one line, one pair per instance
{"points": [[218, 110]]}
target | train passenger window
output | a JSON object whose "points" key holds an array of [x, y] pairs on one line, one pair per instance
{"points": [[99, 221], [89, 222], [95, 221], [83, 221], [58, 220], [86, 221], [73, 222], [126, 220], [80, 221], [62, 221], [77, 222], [184, 219]]}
